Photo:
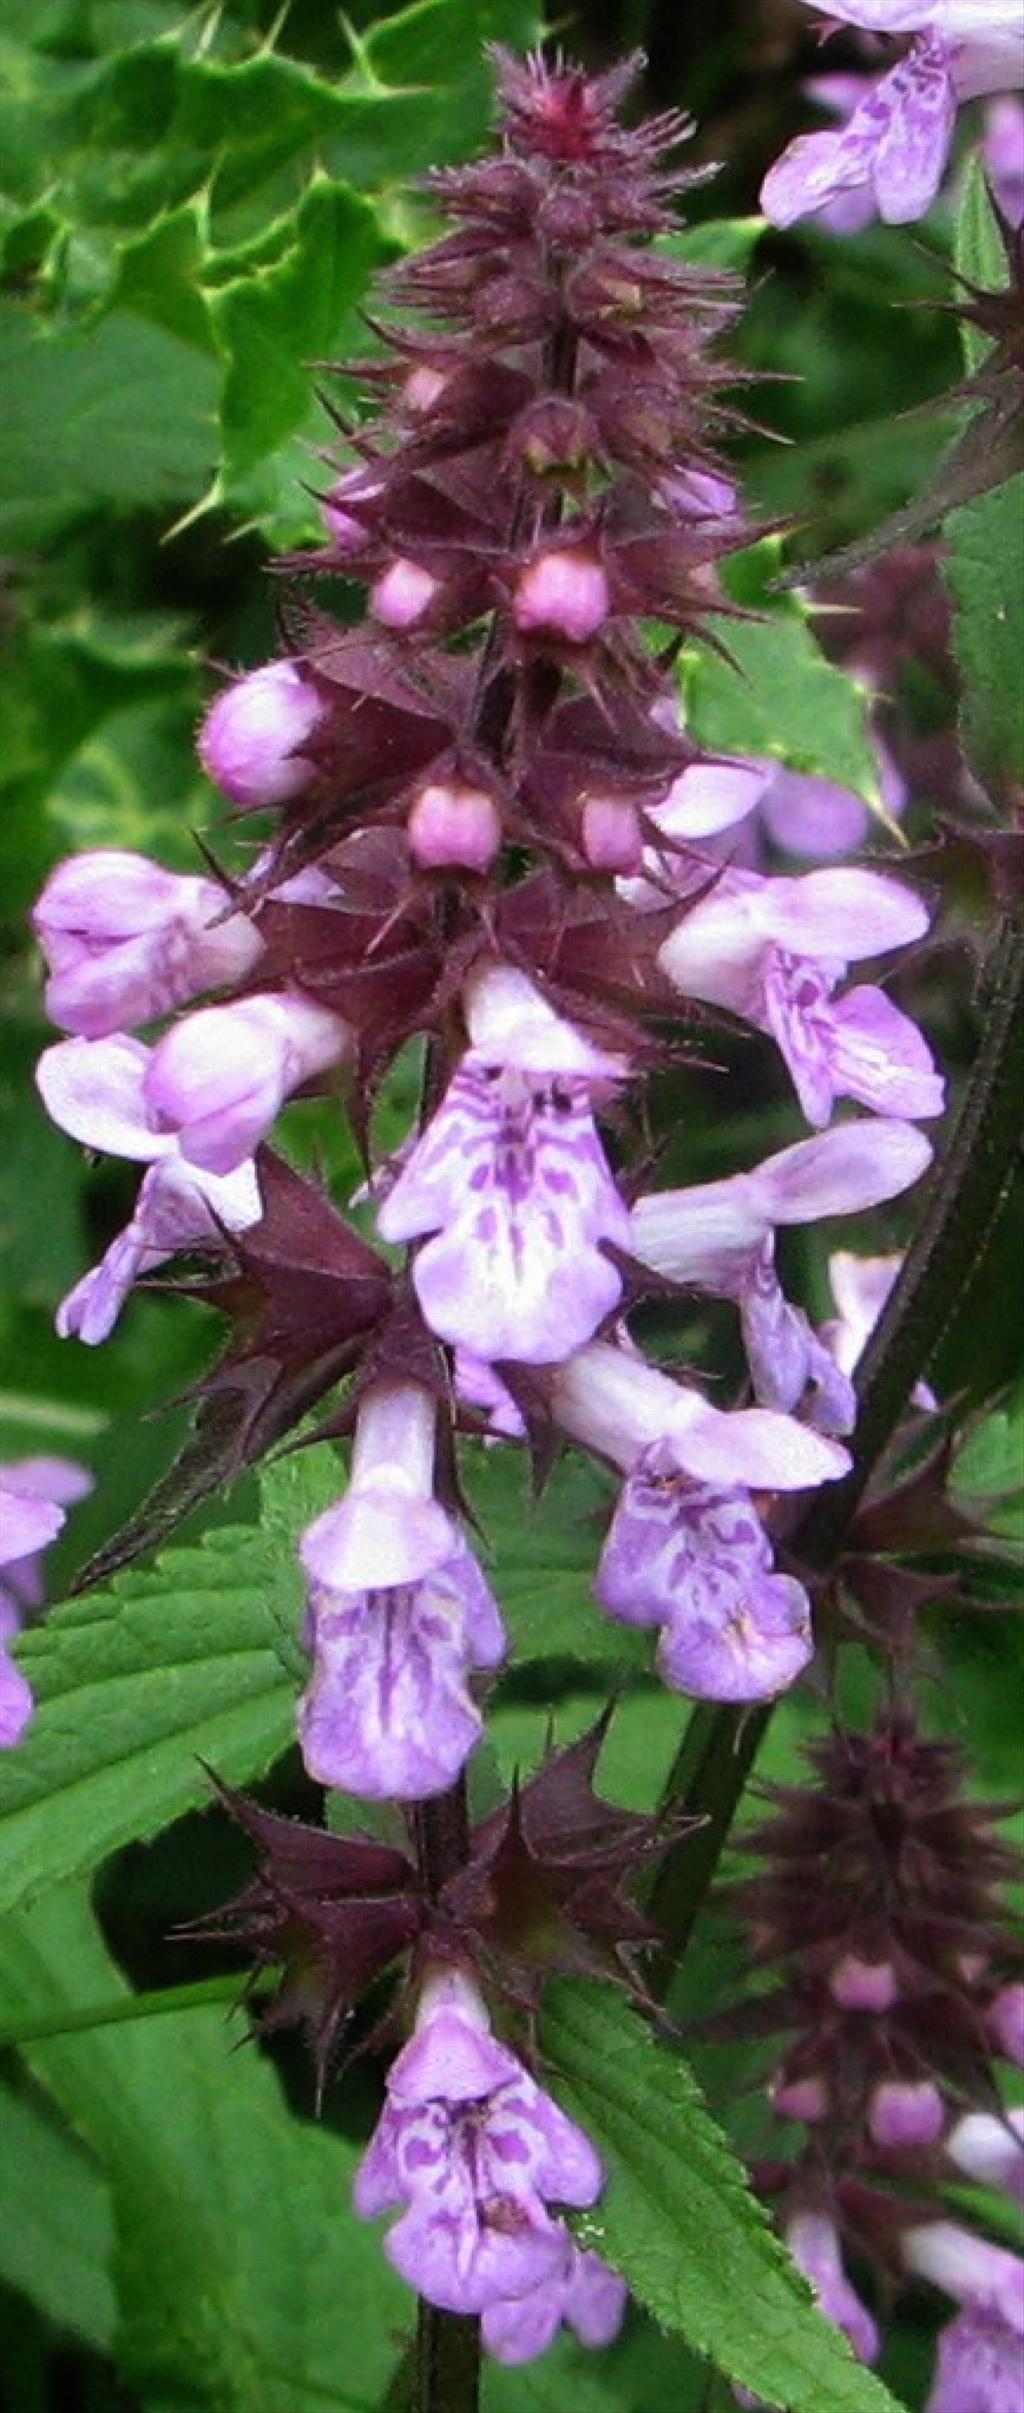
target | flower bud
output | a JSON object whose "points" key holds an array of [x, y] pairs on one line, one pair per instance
{"points": [[250, 741], [423, 387], [220, 1078], [403, 594], [347, 532], [800, 2099], [611, 834], [858, 1985], [1006, 2021], [562, 593], [909, 2112], [454, 825]]}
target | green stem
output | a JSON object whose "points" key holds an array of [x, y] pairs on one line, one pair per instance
{"points": [[720, 1744], [154, 2005]]}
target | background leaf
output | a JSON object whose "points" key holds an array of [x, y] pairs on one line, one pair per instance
{"points": [[243, 2284]]}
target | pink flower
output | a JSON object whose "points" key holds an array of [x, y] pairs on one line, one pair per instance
{"points": [[125, 941]]}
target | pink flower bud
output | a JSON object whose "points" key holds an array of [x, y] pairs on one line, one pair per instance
{"points": [[346, 532], [801, 2099], [453, 824], [611, 835], [249, 742], [403, 594], [1006, 2020], [562, 593], [858, 1985], [423, 387], [906, 2113]]}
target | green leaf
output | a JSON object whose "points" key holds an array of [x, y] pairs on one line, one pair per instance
{"points": [[680, 2223], [784, 698], [715, 243], [984, 566], [245, 2284], [984, 571], [57, 2234], [122, 412], [979, 251], [540, 1556], [192, 1659], [273, 325]]}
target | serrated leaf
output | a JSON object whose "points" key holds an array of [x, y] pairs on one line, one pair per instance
{"points": [[245, 2284], [784, 698], [193, 1659], [678, 2220]]}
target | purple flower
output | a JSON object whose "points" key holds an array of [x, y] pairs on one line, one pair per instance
{"points": [[96, 1090], [861, 1287], [892, 152], [473, 2153], [583, 2294], [694, 1559], [620, 1407], [773, 951], [719, 1237], [210, 1089], [34, 1495], [686, 1550], [511, 1181], [177, 1207], [979, 2366], [251, 740], [399, 1614], [813, 2241], [968, 2268], [1003, 154], [125, 941]]}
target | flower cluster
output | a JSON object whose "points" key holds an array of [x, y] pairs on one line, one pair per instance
{"points": [[486, 827], [877, 1905]]}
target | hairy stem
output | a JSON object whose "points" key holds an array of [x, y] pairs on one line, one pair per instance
{"points": [[720, 1744], [447, 2367]]}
